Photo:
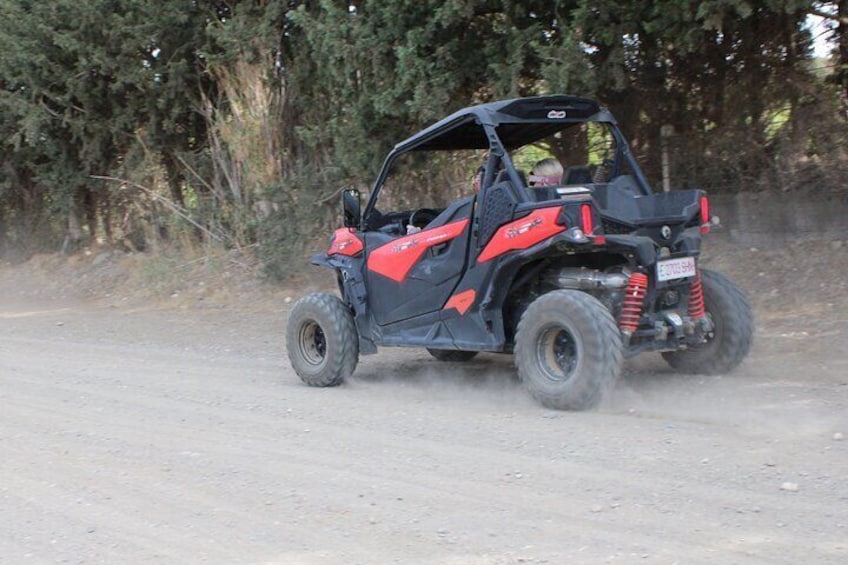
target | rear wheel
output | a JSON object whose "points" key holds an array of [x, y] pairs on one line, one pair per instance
{"points": [[568, 350], [452, 355], [321, 339], [731, 339]]}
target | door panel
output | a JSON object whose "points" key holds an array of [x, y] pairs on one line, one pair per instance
{"points": [[415, 274]]}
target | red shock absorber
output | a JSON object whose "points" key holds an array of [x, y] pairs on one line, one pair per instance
{"points": [[634, 300], [696, 298]]}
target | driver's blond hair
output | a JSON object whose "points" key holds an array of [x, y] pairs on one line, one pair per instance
{"points": [[549, 167]]}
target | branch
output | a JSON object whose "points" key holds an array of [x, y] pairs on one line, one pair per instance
{"points": [[827, 15], [326, 199], [49, 110], [196, 175], [174, 207]]}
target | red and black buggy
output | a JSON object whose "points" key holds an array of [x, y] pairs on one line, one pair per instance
{"points": [[569, 278]]}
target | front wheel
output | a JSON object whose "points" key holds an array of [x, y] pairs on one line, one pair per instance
{"points": [[321, 339], [731, 339], [452, 355], [568, 350]]}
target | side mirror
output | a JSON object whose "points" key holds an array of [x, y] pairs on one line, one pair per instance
{"points": [[351, 208]]}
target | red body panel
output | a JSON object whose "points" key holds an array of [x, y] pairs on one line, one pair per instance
{"points": [[396, 258], [345, 242], [461, 301], [523, 233]]}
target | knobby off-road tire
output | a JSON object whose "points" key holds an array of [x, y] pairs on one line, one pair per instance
{"points": [[452, 355], [321, 339], [568, 350], [733, 334]]}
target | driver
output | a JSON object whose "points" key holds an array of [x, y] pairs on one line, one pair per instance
{"points": [[410, 229], [546, 172], [478, 178]]}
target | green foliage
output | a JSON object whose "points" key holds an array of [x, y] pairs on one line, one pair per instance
{"points": [[294, 219], [242, 118]]}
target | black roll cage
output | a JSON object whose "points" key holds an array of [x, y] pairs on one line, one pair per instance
{"points": [[522, 121]]}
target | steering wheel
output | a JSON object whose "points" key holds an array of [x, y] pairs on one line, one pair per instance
{"points": [[422, 216]]}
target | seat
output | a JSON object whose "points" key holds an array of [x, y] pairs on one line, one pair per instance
{"points": [[504, 176], [577, 175], [456, 211]]}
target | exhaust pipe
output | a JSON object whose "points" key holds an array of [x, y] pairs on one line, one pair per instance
{"points": [[575, 278]]}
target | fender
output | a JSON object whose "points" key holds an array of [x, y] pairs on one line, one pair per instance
{"points": [[322, 260], [352, 288]]}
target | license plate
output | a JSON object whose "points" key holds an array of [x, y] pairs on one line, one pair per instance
{"points": [[671, 269]]}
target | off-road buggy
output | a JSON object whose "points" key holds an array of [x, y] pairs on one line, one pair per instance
{"points": [[569, 278]]}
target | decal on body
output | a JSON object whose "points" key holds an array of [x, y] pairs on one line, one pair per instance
{"points": [[522, 233], [345, 242], [395, 259], [461, 301]]}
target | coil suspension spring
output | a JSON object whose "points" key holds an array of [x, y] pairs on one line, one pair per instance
{"points": [[696, 299], [634, 300]]}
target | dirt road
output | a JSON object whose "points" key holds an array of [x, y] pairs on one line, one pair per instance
{"points": [[138, 435]]}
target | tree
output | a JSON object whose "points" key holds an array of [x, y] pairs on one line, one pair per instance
{"points": [[836, 14], [70, 77], [701, 68], [240, 115]]}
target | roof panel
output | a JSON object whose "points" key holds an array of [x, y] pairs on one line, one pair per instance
{"points": [[519, 121]]}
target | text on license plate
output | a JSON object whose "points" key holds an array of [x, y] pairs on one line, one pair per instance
{"points": [[676, 268]]}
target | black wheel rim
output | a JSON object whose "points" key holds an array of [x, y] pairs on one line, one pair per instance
{"points": [[312, 343], [557, 353]]}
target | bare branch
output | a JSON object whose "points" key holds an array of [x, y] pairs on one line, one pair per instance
{"points": [[174, 207], [827, 15], [330, 196]]}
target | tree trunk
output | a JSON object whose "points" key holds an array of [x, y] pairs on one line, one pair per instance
{"points": [[175, 178], [3, 229], [89, 203], [106, 217], [74, 233], [842, 43]]}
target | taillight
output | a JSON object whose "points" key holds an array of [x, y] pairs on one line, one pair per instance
{"points": [[587, 222], [705, 215]]}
